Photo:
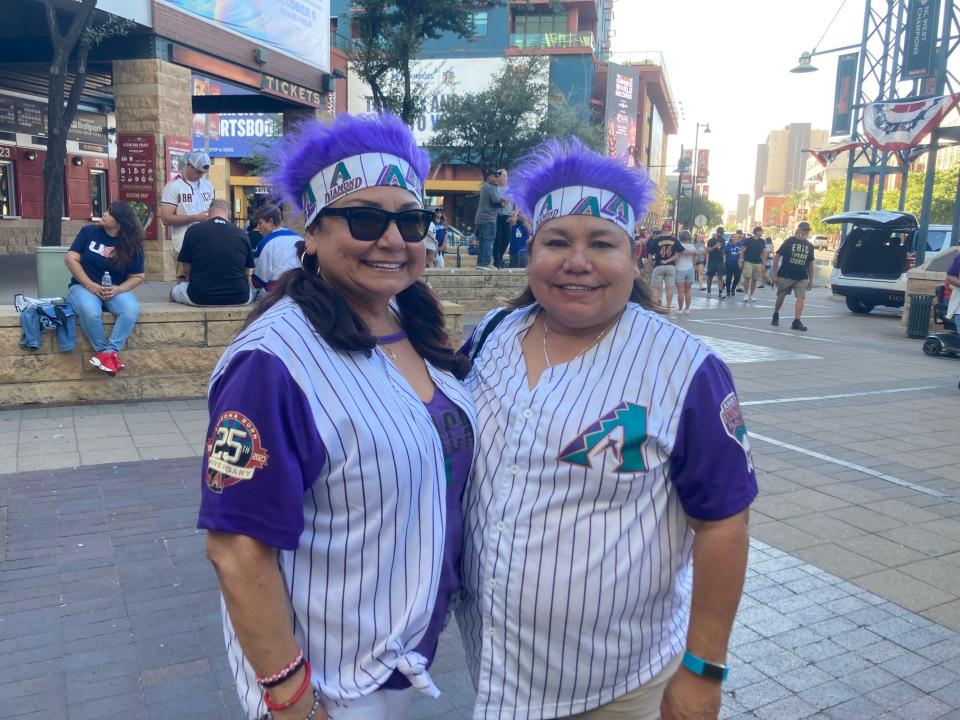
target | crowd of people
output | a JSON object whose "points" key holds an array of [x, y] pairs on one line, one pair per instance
{"points": [[736, 262]]}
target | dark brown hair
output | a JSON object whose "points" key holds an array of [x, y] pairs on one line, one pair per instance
{"points": [[130, 237], [335, 322]]}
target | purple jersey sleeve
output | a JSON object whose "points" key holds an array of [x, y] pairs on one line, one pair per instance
{"points": [[955, 267], [262, 452], [711, 465]]}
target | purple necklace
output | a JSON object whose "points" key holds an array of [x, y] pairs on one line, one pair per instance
{"points": [[387, 339]]}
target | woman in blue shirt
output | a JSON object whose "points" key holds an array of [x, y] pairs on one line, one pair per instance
{"points": [[732, 253], [106, 262]]}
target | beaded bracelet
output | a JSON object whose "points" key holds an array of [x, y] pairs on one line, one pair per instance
{"points": [[270, 681], [271, 705]]}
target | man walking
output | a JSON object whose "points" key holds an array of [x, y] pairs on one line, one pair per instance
{"points": [[485, 221], [217, 259], [754, 255], [715, 262], [663, 252], [793, 272]]}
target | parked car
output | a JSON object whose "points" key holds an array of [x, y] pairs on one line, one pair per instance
{"points": [[820, 242], [871, 264]]}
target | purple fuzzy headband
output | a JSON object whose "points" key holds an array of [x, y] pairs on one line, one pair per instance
{"points": [[556, 164], [316, 145]]}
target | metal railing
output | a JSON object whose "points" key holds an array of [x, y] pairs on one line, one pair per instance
{"points": [[549, 41]]}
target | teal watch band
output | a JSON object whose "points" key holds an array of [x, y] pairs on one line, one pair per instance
{"points": [[704, 668]]}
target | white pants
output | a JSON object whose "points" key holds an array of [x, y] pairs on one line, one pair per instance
{"points": [[438, 260], [381, 705]]}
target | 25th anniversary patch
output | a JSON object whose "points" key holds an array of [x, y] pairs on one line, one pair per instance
{"points": [[234, 451]]}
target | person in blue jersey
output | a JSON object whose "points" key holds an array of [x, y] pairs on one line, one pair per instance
{"points": [[606, 537], [733, 262], [276, 252], [339, 443]]}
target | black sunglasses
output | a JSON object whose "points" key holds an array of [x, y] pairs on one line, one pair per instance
{"points": [[370, 223]]}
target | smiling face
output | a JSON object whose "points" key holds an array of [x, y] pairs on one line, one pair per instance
{"points": [[581, 270], [368, 274]]}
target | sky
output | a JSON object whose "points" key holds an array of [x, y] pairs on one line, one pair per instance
{"points": [[729, 64]]}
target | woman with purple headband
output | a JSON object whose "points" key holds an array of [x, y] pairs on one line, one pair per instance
{"points": [[339, 444], [619, 456]]}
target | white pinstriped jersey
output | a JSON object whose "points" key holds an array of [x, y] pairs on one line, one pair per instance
{"points": [[577, 550], [362, 548]]}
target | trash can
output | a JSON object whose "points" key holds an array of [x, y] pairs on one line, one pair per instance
{"points": [[53, 278], [918, 322]]}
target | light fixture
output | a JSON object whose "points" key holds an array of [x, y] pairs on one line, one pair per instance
{"points": [[110, 131], [30, 155], [805, 65], [706, 129], [77, 160]]}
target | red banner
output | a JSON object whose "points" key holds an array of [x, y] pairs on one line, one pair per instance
{"points": [[177, 148], [703, 164]]}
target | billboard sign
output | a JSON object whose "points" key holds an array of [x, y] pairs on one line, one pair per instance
{"points": [[620, 119], [843, 96], [236, 135], [300, 29], [920, 46], [136, 162], [441, 81]]}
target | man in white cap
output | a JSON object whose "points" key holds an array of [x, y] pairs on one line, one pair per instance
{"points": [[186, 198]]}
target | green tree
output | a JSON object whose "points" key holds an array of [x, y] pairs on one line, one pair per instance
{"points": [[502, 122], [944, 195], [829, 203], [690, 207], [70, 48], [388, 37]]}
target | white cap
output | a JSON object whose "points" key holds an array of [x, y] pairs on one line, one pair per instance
{"points": [[199, 160]]}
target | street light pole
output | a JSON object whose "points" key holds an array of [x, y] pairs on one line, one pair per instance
{"points": [[676, 200], [693, 189]]}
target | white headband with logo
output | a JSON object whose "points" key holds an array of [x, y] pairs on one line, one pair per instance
{"points": [[584, 200], [358, 172]]}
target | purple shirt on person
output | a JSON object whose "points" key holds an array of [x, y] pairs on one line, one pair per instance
{"points": [[456, 434]]}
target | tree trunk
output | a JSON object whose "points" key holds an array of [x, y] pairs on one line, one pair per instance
{"points": [[61, 111]]}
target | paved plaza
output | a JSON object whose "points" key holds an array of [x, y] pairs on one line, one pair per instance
{"points": [[109, 608]]}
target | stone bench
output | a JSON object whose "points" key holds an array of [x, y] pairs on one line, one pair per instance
{"points": [[476, 290], [170, 354]]}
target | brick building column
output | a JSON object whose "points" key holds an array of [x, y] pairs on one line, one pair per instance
{"points": [[154, 97]]}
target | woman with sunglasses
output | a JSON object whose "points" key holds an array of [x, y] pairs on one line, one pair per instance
{"points": [[620, 455], [339, 444]]}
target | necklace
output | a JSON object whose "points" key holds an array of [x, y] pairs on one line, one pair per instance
{"points": [[593, 343], [386, 340]]}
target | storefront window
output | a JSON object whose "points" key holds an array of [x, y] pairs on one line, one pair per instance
{"points": [[98, 193], [8, 195]]}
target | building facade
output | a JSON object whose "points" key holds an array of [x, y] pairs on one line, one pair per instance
{"points": [[144, 92], [781, 163]]}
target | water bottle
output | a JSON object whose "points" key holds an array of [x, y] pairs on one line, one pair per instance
{"points": [[106, 280]]}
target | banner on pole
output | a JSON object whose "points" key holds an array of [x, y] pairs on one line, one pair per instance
{"points": [[825, 156], [897, 124], [703, 164], [919, 53], [843, 97]]}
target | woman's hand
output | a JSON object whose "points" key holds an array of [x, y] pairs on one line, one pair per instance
{"points": [[110, 291], [690, 697]]}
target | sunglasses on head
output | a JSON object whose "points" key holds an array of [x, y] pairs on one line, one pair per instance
{"points": [[370, 223]]}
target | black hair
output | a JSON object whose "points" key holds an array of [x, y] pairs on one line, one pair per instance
{"points": [[332, 318], [130, 238]]}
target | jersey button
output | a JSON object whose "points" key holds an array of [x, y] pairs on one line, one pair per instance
{"points": [[514, 469], [501, 526], [491, 631], [528, 413]]}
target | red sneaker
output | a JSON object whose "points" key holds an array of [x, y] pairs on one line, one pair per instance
{"points": [[117, 361], [104, 361]]}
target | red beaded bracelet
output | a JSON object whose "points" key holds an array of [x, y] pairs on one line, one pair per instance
{"points": [[269, 681], [277, 707]]}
